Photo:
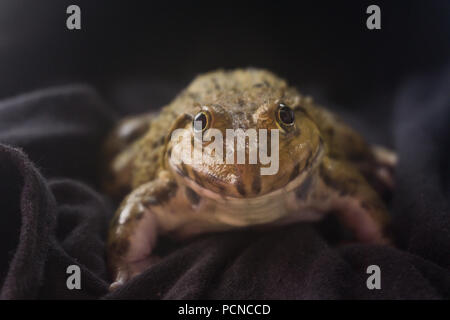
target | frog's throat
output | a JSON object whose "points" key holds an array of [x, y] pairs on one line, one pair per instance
{"points": [[281, 192]]}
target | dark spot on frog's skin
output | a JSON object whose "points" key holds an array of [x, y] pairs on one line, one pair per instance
{"points": [[139, 215], [216, 84], [344, 187], [321, 143], [197, 178], [193, 96], [192, 196], [309, 161], [161, 195], [267, 83], [258, 85], [158, 142], [120, 247], [241, 103], [241, 188], [327, 179], [220, 188], [295, 172], [330, 132], [172, 189], [302, 191], [256, 184], [150, 201], [185, 171]]}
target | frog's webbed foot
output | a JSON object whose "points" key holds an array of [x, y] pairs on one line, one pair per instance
{"points": [[358, 206], [134, 230]]}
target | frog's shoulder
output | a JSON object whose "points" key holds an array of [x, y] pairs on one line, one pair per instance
{"points": [[341, 140]]}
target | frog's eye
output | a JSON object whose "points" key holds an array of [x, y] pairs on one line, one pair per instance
{"points": [[285, 115], [201, 121]]}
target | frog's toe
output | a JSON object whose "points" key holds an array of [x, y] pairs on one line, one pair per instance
{"points": [[116, 284], [133, 269], [384, 156], [119, 280], [381, 170]]}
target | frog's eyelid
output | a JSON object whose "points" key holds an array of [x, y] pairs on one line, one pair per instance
{"points": [[297, 108], [300, 108]]}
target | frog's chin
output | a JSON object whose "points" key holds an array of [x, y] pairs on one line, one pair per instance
{"points": [[280, 192]]}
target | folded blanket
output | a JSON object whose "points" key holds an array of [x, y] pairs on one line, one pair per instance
{"points": [[54, 215]]}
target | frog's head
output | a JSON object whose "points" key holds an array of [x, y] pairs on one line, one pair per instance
{"points": [[248, 106]]}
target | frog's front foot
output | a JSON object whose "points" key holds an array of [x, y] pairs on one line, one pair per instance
{"points": [[127, 270], [134, 230]]}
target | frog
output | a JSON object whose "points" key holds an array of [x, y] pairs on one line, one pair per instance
{"points": [[325, 167]]}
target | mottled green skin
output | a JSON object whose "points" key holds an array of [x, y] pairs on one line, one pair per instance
{"points": [[323, 168]]}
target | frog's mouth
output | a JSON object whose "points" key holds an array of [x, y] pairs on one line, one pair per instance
{"points": [[220, 194]]}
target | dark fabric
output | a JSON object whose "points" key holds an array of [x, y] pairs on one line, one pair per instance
{"points": [[54, 215]]}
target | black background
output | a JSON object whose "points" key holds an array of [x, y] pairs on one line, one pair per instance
{"points": [[144, 45]]}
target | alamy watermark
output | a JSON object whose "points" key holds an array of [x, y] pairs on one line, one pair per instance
{"points": [[373, 22], [235, 147], [374, 280], [74, 279], [73, 21]]}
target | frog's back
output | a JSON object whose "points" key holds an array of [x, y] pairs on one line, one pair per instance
{"points": [[225, 86]]}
